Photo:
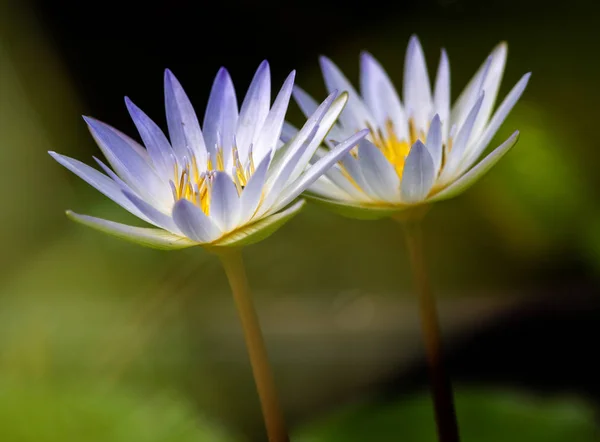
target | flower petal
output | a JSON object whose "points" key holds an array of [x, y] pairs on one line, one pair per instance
{"points": [[155, 238], [435, 142], [355, 116], [184, 129], [154, 139], [271, 130], [469, 178], [381, 97], [418, 175], [288, 132], [353, 210], [154, 215], [220, 117], [254, 111], [260, 230], [441, 95], [192, 221], [253, 192], [224, 202], [378, 172], [417, 90], [131, 167]]}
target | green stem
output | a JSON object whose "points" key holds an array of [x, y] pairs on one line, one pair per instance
{"points": [[263, 376], [443, 400]]}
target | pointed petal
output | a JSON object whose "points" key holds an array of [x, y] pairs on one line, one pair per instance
{"points": [[441, 95], [184, 129], [309, 107], [417, 90], [131, 167], [254, 111], [260, 230], [325, 188], [435, 143], [496, 121], [378, 172], [154, 238], [317, 170], [155, 216], [220, 117], [418, 175], [192, 221], [469, 178], [224, 202], [271, 130], [355, 115], [253, 192], [154, 139], [381, 97]]}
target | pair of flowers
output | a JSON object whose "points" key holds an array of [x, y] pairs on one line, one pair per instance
{"points": [[235, 179]]}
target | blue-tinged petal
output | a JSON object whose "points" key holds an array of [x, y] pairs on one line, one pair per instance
{"points": [[459, 146], [355, 116], [98, 180], [317, 170], [441, 94], [224, 202], [155, 216], [381, 97], [378, 172], [253, 192], [464, 103], [354, 170], [220, 118], [288, 131], [192, 221], [435, 142], [511, 99], [155, 141], [259, 230], [254, 110], [149, 237], [307, 104], [418, 175], [469, 178], [271, 130], [184, 128], [417, 90], [325, 188], [129, 165]]}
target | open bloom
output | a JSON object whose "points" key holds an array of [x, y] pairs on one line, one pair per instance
{"points": [[418, 151], [229, 183]]}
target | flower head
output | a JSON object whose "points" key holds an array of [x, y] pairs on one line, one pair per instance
{"points": [[418, 151], [230, 182]]}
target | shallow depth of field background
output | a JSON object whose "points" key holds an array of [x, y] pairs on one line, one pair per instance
{"points": [[102, 340]]}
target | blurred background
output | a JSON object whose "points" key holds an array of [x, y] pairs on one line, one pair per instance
{"points": [[104, 340]]}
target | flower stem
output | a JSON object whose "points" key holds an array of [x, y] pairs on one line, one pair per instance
{"points": [[443, 400], [263, 376]]}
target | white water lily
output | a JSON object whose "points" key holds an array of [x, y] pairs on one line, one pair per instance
{"points": [[418, 151], [229, 183]]}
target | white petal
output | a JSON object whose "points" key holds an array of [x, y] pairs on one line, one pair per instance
{"points": [[192, 221], [418, 175], [435, 142], [131, 167], [224, 202], [154, 139], [99, 181], [355, 116], [254, 111], [271, 130], [155, 238], [441, 95], [309, 107], [317, 170], [417, 90], [469, 178], [496, 121], [184, 128], [325, 188], [381, 96], [378, 172], [253, 192], [459, 146], [155, 216], [220, 117]]}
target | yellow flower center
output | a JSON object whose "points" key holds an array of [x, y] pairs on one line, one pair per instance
{"points": [[393, 149], [195, 186]]}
